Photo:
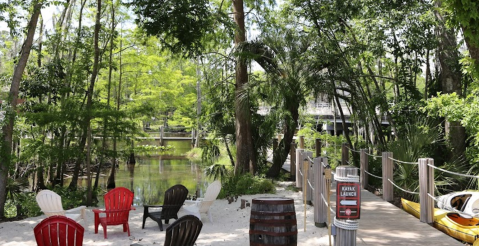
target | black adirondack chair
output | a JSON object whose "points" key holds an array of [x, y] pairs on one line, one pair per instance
{"points": [[183, 231], [174, 198]]}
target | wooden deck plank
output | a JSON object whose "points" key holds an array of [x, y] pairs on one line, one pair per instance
{"points": [[382, 223]]}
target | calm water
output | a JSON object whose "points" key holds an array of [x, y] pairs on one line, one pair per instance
{"points": [[153, 175]]}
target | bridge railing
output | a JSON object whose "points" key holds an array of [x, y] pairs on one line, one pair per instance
{"points": [[426, 173]]}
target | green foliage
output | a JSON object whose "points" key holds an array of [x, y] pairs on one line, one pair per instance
{"points": [[217, 172], [180, 25], [194, 154], [147, 149], [23, 206], [419, 139], [463, 110], [211, 151], [246, 184], [331, 145], [72, 199]]}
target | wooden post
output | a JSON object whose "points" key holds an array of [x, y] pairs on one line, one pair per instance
{"points": [[387, 165], [426, 185], [327, 178], [318, 147], [344, 154], [292, 161], [192, 137], [299, 161], [161, 135], [301, 142], [305, 183], [364, 167], [346, 229], [307, 174], [430, 208], [319, 185]]}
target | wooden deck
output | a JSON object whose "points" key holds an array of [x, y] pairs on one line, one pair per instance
{"points": [[382, 223]]}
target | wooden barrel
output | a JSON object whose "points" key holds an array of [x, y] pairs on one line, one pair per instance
{"points": [[273, 222]]}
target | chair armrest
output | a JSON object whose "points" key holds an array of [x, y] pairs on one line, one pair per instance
{"points": [[152, 206], [81, 209], [76, 209], [98, 211], [189, 202]]}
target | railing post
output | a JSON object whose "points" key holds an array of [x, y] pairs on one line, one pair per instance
{"points": [[318, 147], [319, 212], [426, 185], [364, 167], [192, 137], [292, 161], [387, 165], [347, 215], [307, 172], [299, 161], [301, 142], [430, 208], [345, 154], [161, 135]]}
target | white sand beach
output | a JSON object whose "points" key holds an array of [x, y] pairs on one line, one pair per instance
{"points": [[230, 226]]}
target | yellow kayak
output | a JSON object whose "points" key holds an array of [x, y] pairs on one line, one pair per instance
{"points": [[462, 227]]}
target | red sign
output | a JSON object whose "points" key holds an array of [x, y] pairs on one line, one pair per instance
{"points": [[348, 200]]}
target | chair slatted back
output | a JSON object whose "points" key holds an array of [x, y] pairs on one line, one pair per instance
{"points": [[50, 203], [118, 203], [58, 230], [175, 197], [183, 231], [211, 194], [213, 190]]}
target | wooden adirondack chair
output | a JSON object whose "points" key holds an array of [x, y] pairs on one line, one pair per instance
{"points": [[183, 231], [202, 205], [51, 204], [118, 203], [58, 230], [175, 196]]}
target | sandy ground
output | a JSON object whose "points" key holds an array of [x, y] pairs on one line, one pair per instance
{"points": [[230, 226]]}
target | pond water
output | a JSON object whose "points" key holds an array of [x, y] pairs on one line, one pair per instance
{"points": [[152, 175]]}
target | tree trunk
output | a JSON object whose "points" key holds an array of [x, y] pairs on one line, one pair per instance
{"points": [[111, 179], [245, 155], [105, 119], [7, 129], [280, 154], [450, 78], [89, 103]]}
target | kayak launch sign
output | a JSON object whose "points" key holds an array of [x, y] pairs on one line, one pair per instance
{"points": [[348, 200]]}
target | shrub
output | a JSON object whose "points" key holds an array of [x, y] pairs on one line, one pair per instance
{"points": [[246, 184], [23, 206]]}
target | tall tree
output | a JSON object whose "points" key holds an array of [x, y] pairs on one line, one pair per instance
{"points": [[464, 14], [7, 129], [245, 154], [451, 80], [89, 104]]}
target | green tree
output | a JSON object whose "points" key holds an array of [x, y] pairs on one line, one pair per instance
{"points": [[7, 128]]}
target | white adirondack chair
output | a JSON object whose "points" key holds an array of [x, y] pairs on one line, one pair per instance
{"points": [[202, 205], [51, 204]]}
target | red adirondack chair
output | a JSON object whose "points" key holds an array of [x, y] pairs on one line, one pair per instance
{"points": [[58, 230], [118, 203]]}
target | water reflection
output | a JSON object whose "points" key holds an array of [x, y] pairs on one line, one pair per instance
{"points": [[152, 175]]}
